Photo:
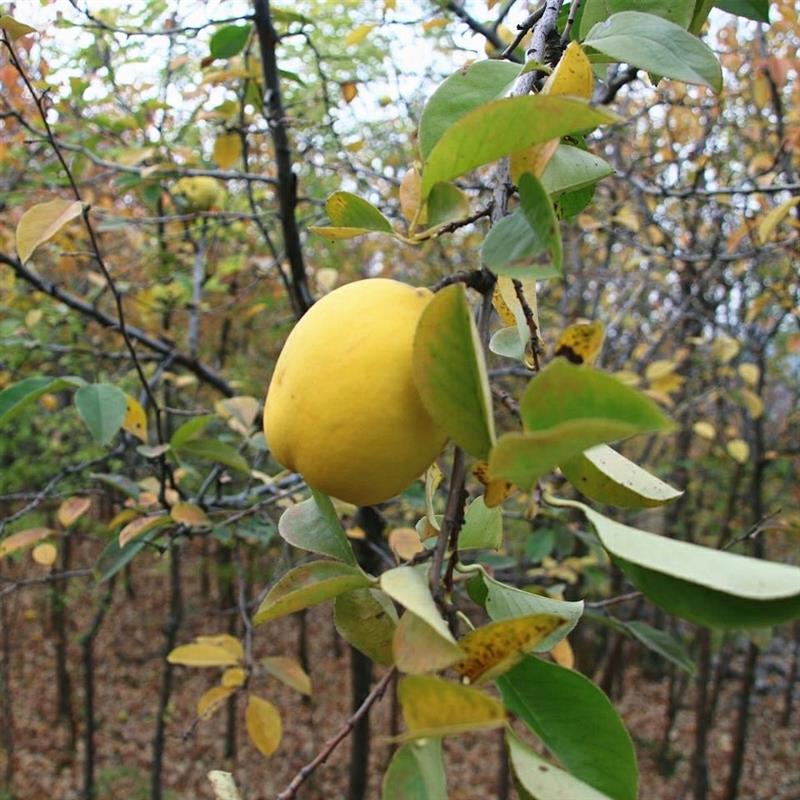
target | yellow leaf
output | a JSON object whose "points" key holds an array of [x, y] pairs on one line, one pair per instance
{"points": [[411, 196], [135, 421], [15, 29], [233, 677], [749, 373], [357, 35], [705, 430], [349, 91], [628, 218], [42, 222], [581, 343], [497, 647], [72, 509], [572, 75], [124, 516], [405, 543], [563, 655], [24, 539], [668, 384], [738, 450], [223, 785], [501, 307], [627, 377], [771, 221], [141, 526], [724, 349], [226, 642], [496, 491], [33, 317], [418, 648], [212, 700], [432, 24], [659, 369], [435, 707], [389, 5], [201, 654], [532, 160], [752, 402], [761, 90], [190, 515], [264, 724], [288, 671], [326, 278], [227, 149], [240, 412], [45, 554]]}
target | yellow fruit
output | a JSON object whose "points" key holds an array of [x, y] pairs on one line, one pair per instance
{"points": [[342, 408], [200, 193]]}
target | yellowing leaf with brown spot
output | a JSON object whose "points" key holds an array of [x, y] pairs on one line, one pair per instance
{"points": [[135, 421], [349, 91], [190, 515], [200, 654], [233, 677], [227, 149], [749, 373], [24, 539], [563, 655], [212, 700], [226, 642], [357, 35], [141, 526], [738, 450], [771, 221], [72, 509], [581, 343], [435, 707], [496, 492], [405, 543], [264, 725], [42, 222], [572, 75], [705, 430], [45, 554], [288, 671], [15, 29], [497, 647]]}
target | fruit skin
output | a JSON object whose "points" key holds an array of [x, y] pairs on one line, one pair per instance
{"points": [[199, 193], [342, 408]]}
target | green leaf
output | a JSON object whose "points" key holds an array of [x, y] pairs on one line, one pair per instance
{"points": [[13, 28], [604, 475], [507, 341], [308, 585], [594, 11], [418, 648], [511, 248], [657, 45], [506, 602], [113, 558], [543, 781], [348, 210], [571, 168], [102, 407], [483, 527], [121, 483], [576, 722], [538, 211], [752, 9], [450, 373], [435, 707], [313, 525], [446, 202], [662, 643], [701, 11], [462, 92], [229, 41], [366, 619], [190, 430], [501, 127], [214, 450], [16, 398], [409, 587], [416, 772], [706, 586]]}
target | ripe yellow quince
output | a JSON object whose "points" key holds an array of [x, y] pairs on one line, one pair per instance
{"points": [[342, 408], [200, 193]]}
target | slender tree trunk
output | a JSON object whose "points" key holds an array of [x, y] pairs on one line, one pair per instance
{"points": [[227, 600], [58, 600], [791, 678], [503, 768], [360, 685], [7, 708], [699, 768]]}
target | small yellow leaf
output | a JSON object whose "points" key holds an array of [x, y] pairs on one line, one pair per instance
{"points": [[668, 384], [628, 218], [433, 477], [405, 543], [15, 29], [233, 677], [72, 509], [326, 279], [433, 24], [212, 700], [190, 515], [705, 430], [738, 450], [749, 373], [771, 221], [227, 149], [563, 655], [223, 785], [141, 526], [42, 222], [581, 343], [411, 196], [226, 642], [288, 671], [33, 317], [572, 76], [24, 539], [357, 35], [264, 724], [126, 515], [45, 554], [752, 402], [496, 491], [201, 654], [349, 91], [724, 349], [240, 412], [497, 647], [659, 369], [627, 377], [135, 421]]}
